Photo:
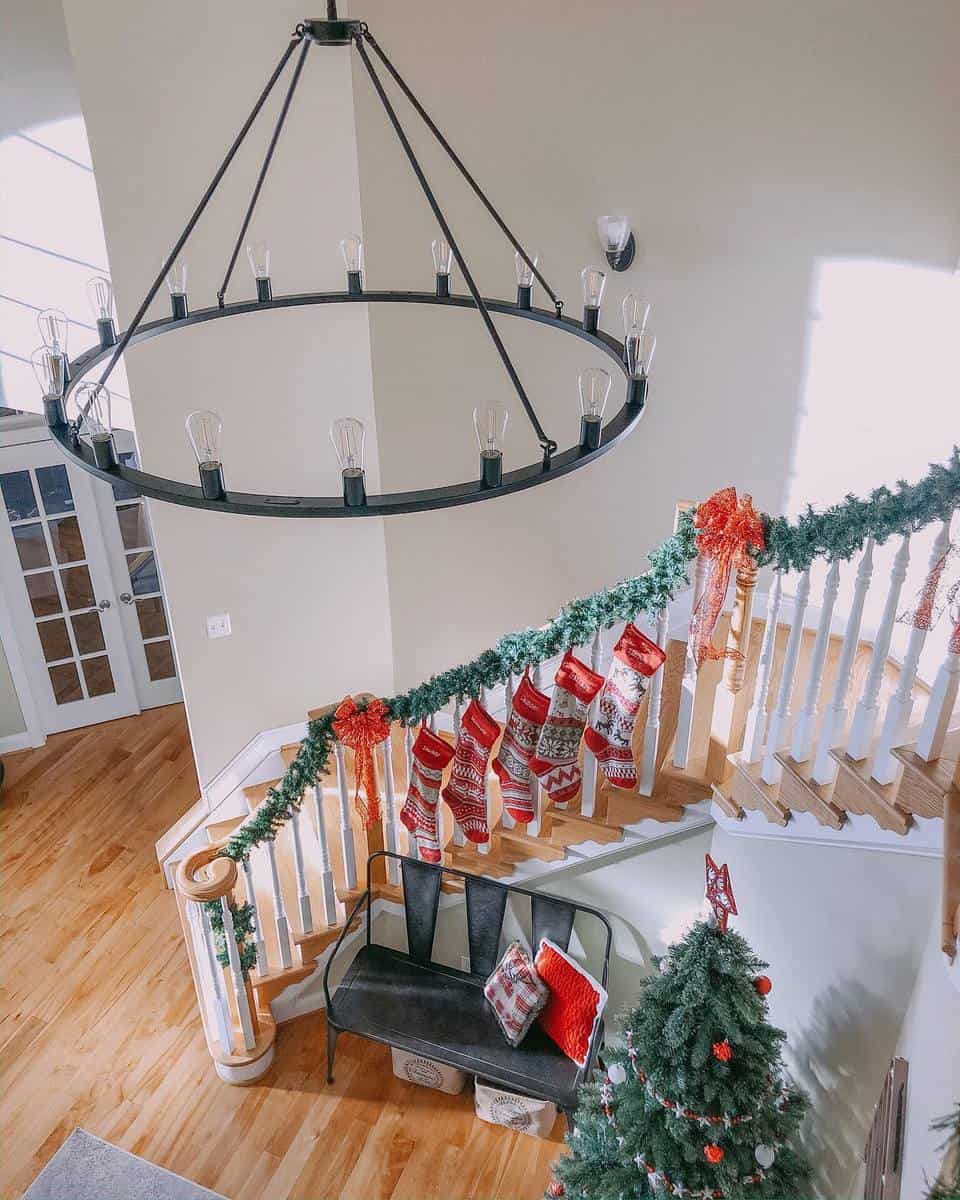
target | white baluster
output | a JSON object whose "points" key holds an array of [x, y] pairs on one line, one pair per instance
{"points": [[221, 1006], [260, 944], [236, 974], [835, 714], [508, 821], [458, 836], [939, 708], [280, 911], [412, 849], [900, 708], [303, 892], [533, 825], [756, 726], [391, 839], [780, 718], [688, 689], [484, 847], [326, 868], [346, 828], [802, 746], [868, 709], [651, 734], [588, 794]]}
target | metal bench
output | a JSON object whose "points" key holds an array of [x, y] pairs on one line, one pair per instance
{"points": [[407, 1000]]}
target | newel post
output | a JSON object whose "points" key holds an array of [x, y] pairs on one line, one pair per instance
{"points": [[732, 700]]}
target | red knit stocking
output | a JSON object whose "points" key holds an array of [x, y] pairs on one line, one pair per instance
{"points": [[555, 761], [635, 659], [512, 764], [419, 813], [466, 792]]}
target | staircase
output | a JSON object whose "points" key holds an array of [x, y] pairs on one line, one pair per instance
{"points": [[811, 728]]}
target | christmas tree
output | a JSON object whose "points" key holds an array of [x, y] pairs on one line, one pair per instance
{"points": [[694, 1103]]}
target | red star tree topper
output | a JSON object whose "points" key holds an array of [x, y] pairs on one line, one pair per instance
{"points": [[720, 893]]}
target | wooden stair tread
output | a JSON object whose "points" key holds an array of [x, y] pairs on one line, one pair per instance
{"points": [[522, 846], [800, 794], [857, 792], [924, 785], [569, 829], [750, 792], [629, 808]]}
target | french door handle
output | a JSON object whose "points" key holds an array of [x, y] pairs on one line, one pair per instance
{"points": [[103, 605], [126, 597]]}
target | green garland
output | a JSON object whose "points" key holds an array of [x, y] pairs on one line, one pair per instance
{"points": [[948, 1187], [244, 924], [838, 532]]}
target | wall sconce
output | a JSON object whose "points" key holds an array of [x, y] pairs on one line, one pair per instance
{"points": [[617, 241]]}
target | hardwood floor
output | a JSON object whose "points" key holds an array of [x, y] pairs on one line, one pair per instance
{"points": [[98, 1021]]}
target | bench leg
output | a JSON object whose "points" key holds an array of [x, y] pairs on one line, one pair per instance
{"points": [[331, 1050]]}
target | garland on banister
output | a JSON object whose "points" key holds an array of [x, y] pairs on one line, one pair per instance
{"points": [[837, 532]]}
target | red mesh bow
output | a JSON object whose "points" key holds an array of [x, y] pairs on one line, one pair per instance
{"points": [[361, 730], [725, 528]]}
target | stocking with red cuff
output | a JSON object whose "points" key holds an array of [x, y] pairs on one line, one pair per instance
{"points": [[512, 764], [419, 813], [466, 793], [610, 737], [555, 760]]}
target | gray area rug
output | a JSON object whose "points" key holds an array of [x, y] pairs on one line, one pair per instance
{"points": [[86, 1168]]}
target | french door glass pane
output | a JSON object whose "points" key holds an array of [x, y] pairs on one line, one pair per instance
{"points": [[77, 588], [150, 614], [88, 632], [99, 677], [55, 490], [160, 662], [67, 540], [123, 491], [143, 573], [133, 526], [31, 546], [54, 639], [18, 495], [44, 597], [66, 683]]}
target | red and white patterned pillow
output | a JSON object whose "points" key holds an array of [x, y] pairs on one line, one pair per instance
{"points": [[576, 1001], [515, 993]]}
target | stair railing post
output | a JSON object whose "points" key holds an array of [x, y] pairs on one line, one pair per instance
{"points": [[688, 688], [868, 708], [780, 719], [261, 946], [802, 745], [730, 701], [651, 732], [279, 908], [484, 847], [412, 847], [327, 887], [940, 706], [458, 837], [221, 1005], [303, 891], [588, 793], [505, 819], [756, 724], [533, 825], [835, 714], [240, 993], [900, 707], [390, 810], [346, 826]]}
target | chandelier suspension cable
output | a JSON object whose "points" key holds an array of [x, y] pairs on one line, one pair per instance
{"points": [[195, 217], [461, 167], [267, 158], [547, 444]]}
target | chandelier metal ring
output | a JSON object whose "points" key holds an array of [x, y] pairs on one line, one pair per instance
{"points": [[253, 504]]}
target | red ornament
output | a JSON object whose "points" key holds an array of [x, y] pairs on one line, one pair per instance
{"points": [[720, 893], [556, 1189], [713, 1153], [763, 985], [722, 1051]]}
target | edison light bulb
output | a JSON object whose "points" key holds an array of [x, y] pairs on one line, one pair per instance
{"points": [[205, 431], [594, 281], [640, 350], [594, 385], [54, 328], [490, 421], [635, 313], [48, 366], [352, 250], [177, 287], [100, 291], [95, 404], [525, 278], [258, 256], [347, 436], [442, 264]]}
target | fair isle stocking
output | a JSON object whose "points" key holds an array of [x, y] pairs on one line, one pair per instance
{"points": [[555, 760], [466, 792], [419, 813], [610, 737], [512, 764]]}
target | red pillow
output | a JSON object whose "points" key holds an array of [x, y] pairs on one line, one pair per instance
{"points": [[576, 1001]]}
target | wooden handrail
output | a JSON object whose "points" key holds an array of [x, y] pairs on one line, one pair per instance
{"points": [[218, 878]]}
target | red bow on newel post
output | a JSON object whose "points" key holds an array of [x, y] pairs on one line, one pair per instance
{"points": [[725, 526], [360, 730]]}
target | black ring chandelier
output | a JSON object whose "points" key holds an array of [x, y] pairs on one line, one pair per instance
{"points": [[88, 440]]}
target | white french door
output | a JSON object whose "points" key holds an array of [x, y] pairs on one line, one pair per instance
{"points": [[83, 588]]}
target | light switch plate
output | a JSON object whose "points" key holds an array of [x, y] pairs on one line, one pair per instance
{"points": [[218, 626]]}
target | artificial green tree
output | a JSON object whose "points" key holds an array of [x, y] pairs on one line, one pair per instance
{"points": [[694, 1103]]}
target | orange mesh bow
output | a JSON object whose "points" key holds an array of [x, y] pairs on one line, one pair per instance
{"points": [[725, 526], [361, 730]]}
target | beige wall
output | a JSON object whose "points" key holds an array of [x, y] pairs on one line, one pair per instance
{"points": [[164, 91], [790, 173], [11, 718]]}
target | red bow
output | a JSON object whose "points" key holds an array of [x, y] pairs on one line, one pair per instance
{"points": [[725, 528], [361, 730]]}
